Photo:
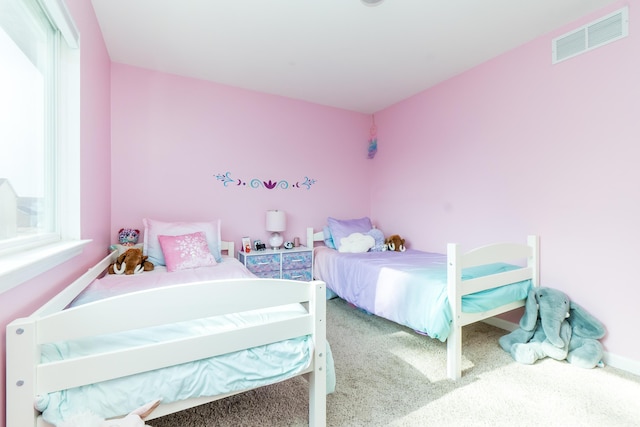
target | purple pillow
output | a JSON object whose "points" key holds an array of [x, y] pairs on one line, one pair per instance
{"points": [[378, 236], [341, 228]]}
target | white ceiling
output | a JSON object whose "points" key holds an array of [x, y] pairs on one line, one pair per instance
{"points": [[339, 53]]}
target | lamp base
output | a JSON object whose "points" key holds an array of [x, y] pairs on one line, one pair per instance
{"points": [[275, 241]]}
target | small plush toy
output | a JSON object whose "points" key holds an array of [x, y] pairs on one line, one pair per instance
{"points": [[134, 419], [553, 326], [394, 243], [128, 236], [356, 243], [131, 261]]}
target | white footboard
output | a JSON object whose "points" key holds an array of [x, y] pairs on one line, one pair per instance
{"points": [[456, 261], [27, 377]]}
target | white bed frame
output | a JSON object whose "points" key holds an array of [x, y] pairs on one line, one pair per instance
{"points": [[27, 377], [457, 288]]}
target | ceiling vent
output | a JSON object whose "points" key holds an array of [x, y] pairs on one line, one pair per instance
{"points": [[591, 36]]}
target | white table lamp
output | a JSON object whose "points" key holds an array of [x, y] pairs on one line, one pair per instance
{"points": [[276, 222]]}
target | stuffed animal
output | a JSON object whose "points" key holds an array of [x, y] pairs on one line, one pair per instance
{"points": [[553, 326], [134, 419], [131, 261], [394, 243], [128, 236], [356, 243]]}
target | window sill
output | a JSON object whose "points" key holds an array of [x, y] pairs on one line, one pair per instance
{"points": [[20, 267]]}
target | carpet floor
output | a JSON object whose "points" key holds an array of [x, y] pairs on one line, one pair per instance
{"points": [[387, 375]]}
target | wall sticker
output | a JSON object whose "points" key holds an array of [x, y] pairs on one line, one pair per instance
{"points": [[227, 181], [373, 139]]}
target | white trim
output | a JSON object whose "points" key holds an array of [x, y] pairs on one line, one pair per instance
{"points": [[60, 17], [22, 266], [23, 263], [68, 146], [622, 363]]}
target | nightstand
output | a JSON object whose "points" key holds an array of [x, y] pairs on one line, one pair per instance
{"points": [[292, 264]]}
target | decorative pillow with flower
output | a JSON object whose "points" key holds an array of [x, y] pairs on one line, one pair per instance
{"points": [[154, 228], [186, 251]]}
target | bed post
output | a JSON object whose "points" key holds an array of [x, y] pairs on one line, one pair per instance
{"points": [[533, 261], [310, 237], [454, 341], [21, 372], [318, 377]]}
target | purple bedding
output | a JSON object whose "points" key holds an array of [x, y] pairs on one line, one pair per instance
{"points": [[409, 288]]}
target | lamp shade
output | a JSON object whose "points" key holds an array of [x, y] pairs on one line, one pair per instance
{"points": [[276, 220]]}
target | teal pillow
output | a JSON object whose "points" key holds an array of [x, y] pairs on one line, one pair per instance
{"points": [[328, 239]]}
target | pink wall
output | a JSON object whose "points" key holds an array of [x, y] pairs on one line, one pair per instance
{"points": [[171, 136], [444, 169], [519, 146], [95, 184]]}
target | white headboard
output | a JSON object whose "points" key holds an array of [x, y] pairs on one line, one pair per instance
{"points": [[314, 237], [229, 247]]}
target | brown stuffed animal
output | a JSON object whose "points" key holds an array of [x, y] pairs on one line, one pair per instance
{"points": [[131, 261], [394, 243]]}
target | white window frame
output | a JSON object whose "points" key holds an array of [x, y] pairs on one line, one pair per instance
{"points": [[21, 264]]}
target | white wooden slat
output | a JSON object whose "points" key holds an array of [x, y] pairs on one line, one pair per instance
{"points": [[100, 367], [469, 318], [168, 305], [64, 298], [502, 252], [478, 284]]}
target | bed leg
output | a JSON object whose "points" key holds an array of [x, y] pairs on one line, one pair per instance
{"points": [[318, 377], [454, 353], [317, 400], [454, 288], [310, 237], [21, 373]]}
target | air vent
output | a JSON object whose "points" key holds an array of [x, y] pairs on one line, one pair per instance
{"points": [[591, 36]]}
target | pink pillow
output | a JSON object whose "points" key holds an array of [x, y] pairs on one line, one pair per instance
{"points": [[154, 228], [186, 251]]}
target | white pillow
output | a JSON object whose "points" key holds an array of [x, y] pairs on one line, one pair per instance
{"points": [[356, 243], [154, 228]]}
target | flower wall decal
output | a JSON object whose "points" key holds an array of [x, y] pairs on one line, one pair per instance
{"points": [[268, 184]]}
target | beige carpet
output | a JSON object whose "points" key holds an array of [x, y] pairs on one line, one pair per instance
{"points": [[389, 376]]}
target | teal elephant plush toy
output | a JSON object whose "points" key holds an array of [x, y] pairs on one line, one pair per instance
{"points": [[554, 326]]}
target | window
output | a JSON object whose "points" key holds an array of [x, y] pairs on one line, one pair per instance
{"points": [[39, 138]]}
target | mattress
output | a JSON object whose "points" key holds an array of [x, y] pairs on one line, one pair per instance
{"points": [[116, 284], [409, 288], [227, 373]]}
